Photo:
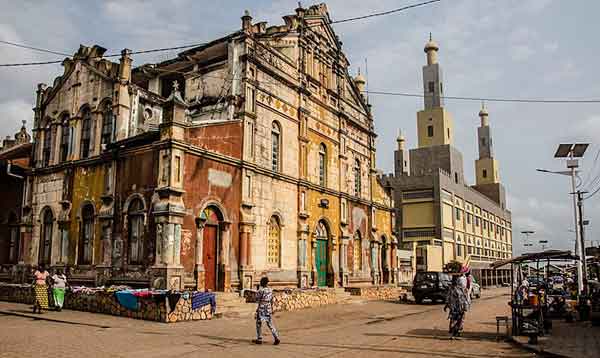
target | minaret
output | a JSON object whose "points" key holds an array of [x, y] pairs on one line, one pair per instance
{"points": [[434, 124], [486, 167], [401, 161]]}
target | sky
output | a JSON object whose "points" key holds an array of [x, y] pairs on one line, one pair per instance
{"points": [[540, 49]]}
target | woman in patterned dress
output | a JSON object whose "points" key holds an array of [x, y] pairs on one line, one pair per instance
{"points": [[40, 289], [456, 302]]}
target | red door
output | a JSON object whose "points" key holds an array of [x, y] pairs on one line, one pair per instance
{"points": [[210, 257]]}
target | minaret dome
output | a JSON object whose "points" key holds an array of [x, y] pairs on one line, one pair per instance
{"points": [[483, 115], [431, 49]]}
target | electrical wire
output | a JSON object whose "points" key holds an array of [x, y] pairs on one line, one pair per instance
{"points": [[34, 48], [587, 181], [384, 12], [109, 55], [479, 99]]}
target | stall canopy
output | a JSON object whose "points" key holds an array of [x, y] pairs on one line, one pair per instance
{"points": [[537, 256]]}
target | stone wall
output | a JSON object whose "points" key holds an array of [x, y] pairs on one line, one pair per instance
{"points": [[375, 293], [150, 308], [296, 299]]}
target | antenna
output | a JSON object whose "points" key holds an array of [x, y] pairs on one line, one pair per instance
{"points": [[367, 78]]}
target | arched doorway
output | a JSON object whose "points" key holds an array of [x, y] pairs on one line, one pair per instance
{"points": [[322, 253], [210, 246]]}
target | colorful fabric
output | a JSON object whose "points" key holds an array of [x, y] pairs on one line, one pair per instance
{"points": [[59, 296], [127, 300], [142, 293], [60, 281], [41, 296], [200, 299], [457, 304], [173, 298], [264, 298], [40, 277], [269, 322]]}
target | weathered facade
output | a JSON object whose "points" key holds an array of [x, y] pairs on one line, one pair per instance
{"points": [[441, 218], [250, 155], [15, 156]]}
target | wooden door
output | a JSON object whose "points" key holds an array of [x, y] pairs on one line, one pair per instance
{"points": [[321, 262], [210, 256]]}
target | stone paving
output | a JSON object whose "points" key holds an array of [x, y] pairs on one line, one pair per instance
{"points": [[369, 329]]}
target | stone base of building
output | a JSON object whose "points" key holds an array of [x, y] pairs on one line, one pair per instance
{"points": [[376, 292], [297, 299], [149, 308]]}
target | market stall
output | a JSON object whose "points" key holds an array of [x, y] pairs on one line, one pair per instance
{"points": [[530, 300]]}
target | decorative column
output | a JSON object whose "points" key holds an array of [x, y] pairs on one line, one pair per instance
{"points": [[394, 261], [302, 269], [335, 261], [313, 261], [225, 273], [199, 269], [246, 268], [344, 271]]}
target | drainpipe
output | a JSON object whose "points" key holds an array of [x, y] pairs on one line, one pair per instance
{"points": [[12, 174]]}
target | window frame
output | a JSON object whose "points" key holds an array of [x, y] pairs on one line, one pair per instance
{"points": [[274, 243], [86, 236], [86, 134], [276, 146], [322, 165], [108, 124], [135, 219]]}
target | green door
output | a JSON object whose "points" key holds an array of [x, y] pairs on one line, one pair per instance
{"points": [[321, 262]]}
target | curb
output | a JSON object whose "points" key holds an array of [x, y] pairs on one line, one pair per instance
{"points": [[535, 349], [49, 319]]}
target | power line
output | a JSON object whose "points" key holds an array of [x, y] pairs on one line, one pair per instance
{"points": [[589, 176], [109, 55], [479, 99], [34, 48], [20, 64], [384, 12]]}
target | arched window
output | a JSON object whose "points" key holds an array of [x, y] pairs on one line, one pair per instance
{"points": [[86, 133], [275, 147], [86, 235], [358, 265], [274, 243], [65, 139], [135, 214], [107, 124], [47, 148], [46, 237], [357, 178], [13, 227], [322, 165]]}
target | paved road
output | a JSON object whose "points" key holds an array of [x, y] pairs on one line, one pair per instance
{"points": [[374, 329]]}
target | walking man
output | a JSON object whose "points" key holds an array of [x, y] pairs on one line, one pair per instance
{"points": [[264, 311]]}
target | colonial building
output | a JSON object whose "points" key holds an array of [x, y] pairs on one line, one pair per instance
{"points": [[15, 156], [441, 218], [250, 155]]}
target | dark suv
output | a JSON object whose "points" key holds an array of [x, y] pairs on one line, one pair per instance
{"points": [[432, 285]]}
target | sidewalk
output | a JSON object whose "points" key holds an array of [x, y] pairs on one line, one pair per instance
{"points": [[575, 340]]}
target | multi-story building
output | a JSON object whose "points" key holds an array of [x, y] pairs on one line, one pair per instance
{"points": [[250, 155], [440, 217]]}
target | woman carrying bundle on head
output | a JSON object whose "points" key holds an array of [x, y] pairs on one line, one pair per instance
{"points": [[457, 305]]}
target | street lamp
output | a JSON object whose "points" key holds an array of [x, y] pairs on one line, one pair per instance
{"points": [[543, 243], [571, 151]]}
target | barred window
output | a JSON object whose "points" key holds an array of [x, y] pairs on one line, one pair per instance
{"points": [[47, 148], [275, 147], [86, 235], [274, 243], [357, 178], [65, 140], [107, 124], [322, 165], [135, 214], [86, 133]]}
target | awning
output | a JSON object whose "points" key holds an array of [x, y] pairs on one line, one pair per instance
{"points": [[563, 255]]}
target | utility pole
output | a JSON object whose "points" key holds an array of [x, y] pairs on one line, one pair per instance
{"points": [[582, 239]]}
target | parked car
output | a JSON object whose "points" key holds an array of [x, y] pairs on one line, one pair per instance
{"points": [[476, 290], [432, 285]]}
